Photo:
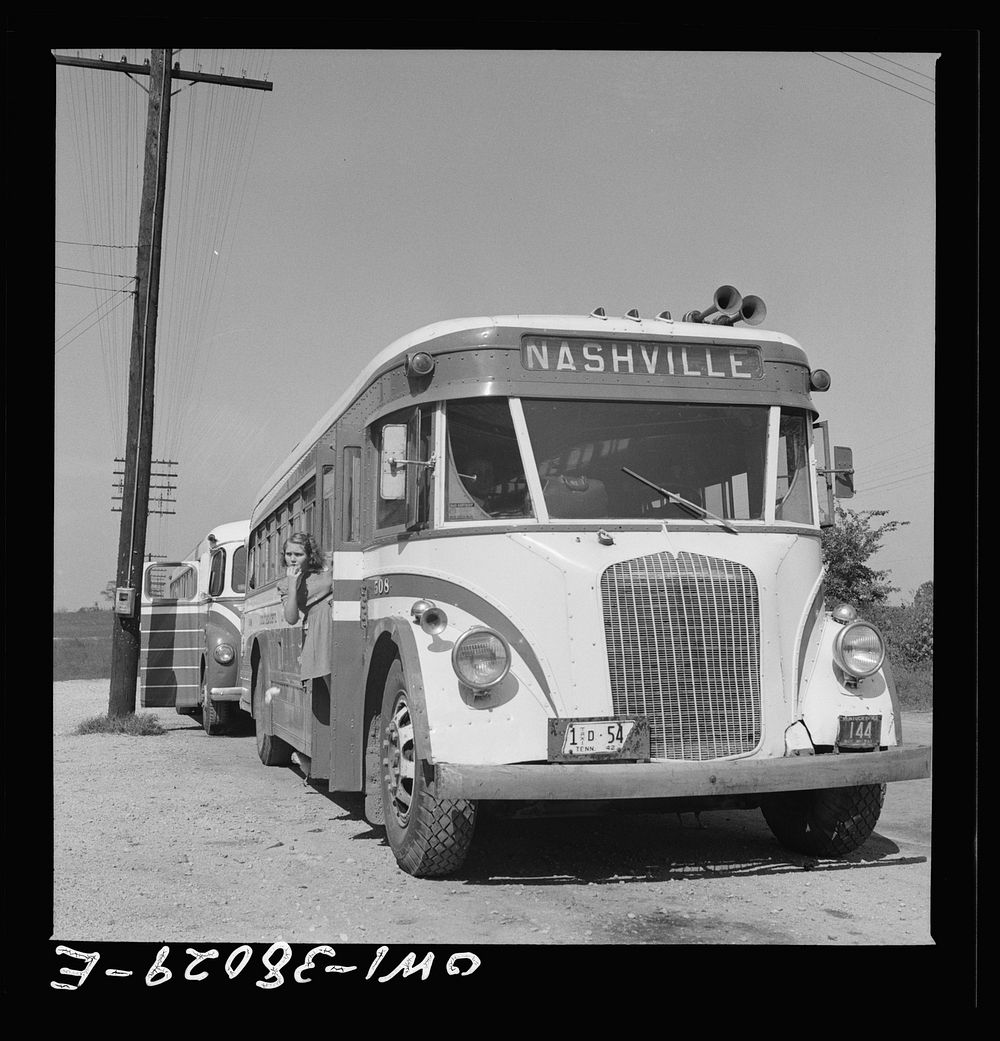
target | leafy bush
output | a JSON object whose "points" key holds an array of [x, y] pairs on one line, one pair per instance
{"points": [[143, 724], [847, 548], [909, 629], [909, 636], [915, 687]]}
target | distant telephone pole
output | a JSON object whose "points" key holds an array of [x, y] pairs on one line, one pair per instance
{"points": [[139, 435]]}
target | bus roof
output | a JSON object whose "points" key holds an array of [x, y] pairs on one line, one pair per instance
{"points": [[231, 531], [397, 350]]}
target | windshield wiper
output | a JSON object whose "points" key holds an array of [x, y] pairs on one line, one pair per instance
{"points": [[674, 497]]}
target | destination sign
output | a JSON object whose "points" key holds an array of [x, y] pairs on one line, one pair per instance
{"points": [[639, 358]]}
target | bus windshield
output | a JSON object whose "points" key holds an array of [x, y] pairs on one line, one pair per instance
{"points": [[711, 455]]}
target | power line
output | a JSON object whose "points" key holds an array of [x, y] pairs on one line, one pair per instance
{"points": [[887, 71], [103, 303], [875, 78], [893, 484], [896, 437], [902, 66], [97, 289], [919, 455], [894, 473], [93, 245], [914, 470], [87, 271], [92, 324]]}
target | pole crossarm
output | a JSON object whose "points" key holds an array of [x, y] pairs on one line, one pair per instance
{"points": [[177, 74]]}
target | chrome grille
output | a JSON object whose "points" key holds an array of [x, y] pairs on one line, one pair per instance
{"points": [[683, 636]]}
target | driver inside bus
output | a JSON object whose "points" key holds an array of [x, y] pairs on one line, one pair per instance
{"points": [[479, 482]]}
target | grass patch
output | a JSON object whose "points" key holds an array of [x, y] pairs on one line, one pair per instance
{"points": [[81, 659], [915, 687], [81, 645], [82, 623], [145, 724]]}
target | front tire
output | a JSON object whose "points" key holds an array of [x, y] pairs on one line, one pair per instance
{"points": [[216, 718], [428, 836], [829, 822], [272, 750]]}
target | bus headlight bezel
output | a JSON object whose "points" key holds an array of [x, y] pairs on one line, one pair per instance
{"points": [[224, 653], [840, 656], [479, 631]]}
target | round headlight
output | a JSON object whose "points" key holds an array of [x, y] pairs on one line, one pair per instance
{"points": [[859, 649], [224, 653], [481, 658]]}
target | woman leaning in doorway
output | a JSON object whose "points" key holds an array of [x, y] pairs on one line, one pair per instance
{"points": [[305, 592]]}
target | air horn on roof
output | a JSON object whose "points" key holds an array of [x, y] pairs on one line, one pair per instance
{"points": [[730, 307]]}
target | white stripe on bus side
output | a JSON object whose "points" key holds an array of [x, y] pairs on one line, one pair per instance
{"points": [[347, 565], [229, 614]]}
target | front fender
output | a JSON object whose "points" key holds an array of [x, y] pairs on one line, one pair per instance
{"points": [[826, 696], [217, 675], [400, 632], [509, 723]]}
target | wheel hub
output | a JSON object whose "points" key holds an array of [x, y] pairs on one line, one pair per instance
{"points": [[400, 759]]}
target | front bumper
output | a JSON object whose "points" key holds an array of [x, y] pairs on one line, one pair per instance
{"points": [[227, 693], [674, 779]]}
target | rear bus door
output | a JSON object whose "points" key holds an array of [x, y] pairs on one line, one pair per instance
{"points": [[171, 633]]}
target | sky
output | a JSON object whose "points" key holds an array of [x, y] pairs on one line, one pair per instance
{"points": [[375, 191]]}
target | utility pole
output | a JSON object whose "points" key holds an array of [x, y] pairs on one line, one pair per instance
{"points": [[139, 435]]}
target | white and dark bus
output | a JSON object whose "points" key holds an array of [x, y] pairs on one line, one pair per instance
{"points": [[190, 629], [575, 558]]}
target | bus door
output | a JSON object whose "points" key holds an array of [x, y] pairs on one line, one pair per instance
{"points": [[171, 626], [324, 521]]}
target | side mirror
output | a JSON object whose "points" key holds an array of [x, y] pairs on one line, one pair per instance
{"points": [[392, 469], [843, 473]]}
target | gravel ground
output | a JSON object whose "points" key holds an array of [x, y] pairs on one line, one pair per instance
{"points": [[197, 841]]}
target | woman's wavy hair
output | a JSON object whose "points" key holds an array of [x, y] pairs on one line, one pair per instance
{"points": [[314, 558]]}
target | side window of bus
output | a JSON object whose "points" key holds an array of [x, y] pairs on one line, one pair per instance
{"points": [[402, 442], [217, 573], [171, 582], [270, 564], [238, 581], [329, 502], [485, 477], [259, 546], [351, 494], [301, 507]]}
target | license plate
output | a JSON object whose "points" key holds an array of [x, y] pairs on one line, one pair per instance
{"points": [[598, 738], [860, 732]]}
